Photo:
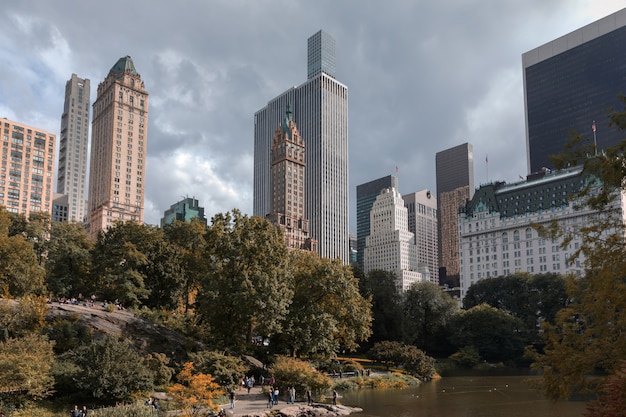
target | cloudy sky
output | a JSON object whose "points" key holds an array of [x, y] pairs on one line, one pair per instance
{"points": [[423, 76]]}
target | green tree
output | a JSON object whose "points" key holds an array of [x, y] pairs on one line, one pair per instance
{"points": [[299, 374], [191, 238], [531, 298], [387, 314], [246, 289], [494, 333], [408, 357], [165, 276], [121, 262], [427, 310], [25, 366], [20, 272], [110, 370], [69, 259], [327, 312], [19, 318], [225, 369], [586, 338]]}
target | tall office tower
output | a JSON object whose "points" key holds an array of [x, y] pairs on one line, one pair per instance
{"points": [[390, 246], [422, 212], [73, 145], [365, 196], [118, 145], [184, 211], [288, 190], [320, 109], [27, 168], [571, 82], [455, 185]]}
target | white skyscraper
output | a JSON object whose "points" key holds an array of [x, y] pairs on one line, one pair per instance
{"points": [[73, 144], [390, 246], [422, 211], [320, 109]]}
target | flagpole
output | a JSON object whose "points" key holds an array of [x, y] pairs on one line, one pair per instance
{"points": [[595, 143], [487, 166]]}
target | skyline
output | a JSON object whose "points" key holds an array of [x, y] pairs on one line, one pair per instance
{"points": [[422, 78]]}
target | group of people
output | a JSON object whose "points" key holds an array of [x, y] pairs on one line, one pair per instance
{"points": [[76, 412], [153, 402]]}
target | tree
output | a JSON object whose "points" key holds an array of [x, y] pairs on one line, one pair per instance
{"points": [[20, 272], [69, 259], [494, 333], [225, 369], [121, 262], [25, 366], [245, 290], [190, 237], [110, 370], [612, 399], [165, 277], [531, 298], [427, 310], [292, 372], [387, 314], [22, 317], [413, 360], [327, 311], [194, 390], [586, 337]]}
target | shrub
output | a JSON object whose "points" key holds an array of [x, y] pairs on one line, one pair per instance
{"points": [[226, 370], [467, 357], [299, 374]]}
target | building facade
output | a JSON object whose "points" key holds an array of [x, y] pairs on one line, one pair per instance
{"points": [[455, 185], [320, 110], [73, 146], [569, 83], [390, 246], [118, 148], [497, 237], [288, 189], [60, 208], [184, 211], [365, 196], [422, 222], [27, 168]]}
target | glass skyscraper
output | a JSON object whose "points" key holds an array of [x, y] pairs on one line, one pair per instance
{"points": [[571, 82], [320, 110]]}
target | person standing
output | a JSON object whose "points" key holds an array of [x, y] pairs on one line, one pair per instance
{"points": [[292, 394], [231, 395], [334, 397], [83, 412], [309, 398], [75, 412]]}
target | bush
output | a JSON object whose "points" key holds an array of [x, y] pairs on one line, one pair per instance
{"points": [[226, 370], [411, 359], [301, 375], [110, 370], [467, 357]]}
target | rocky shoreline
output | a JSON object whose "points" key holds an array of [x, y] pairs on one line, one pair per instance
{"points": [[315, 410]]}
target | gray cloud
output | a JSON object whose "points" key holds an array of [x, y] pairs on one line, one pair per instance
{"points": [[422, 77]]}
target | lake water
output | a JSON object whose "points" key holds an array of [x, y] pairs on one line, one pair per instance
{"points": [[468, 396]]}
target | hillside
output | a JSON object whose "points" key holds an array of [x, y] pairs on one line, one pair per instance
{"points": [[145, 336]]}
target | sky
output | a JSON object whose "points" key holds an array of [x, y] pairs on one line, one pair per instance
{"points": [[423, 76]]}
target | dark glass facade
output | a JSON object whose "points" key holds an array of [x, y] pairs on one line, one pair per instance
{"points": [[567, 92]]}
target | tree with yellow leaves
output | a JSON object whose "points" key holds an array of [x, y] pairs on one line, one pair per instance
{"points": [[194, 391]]}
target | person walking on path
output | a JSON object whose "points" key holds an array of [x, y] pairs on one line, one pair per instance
{"points": [[231, 396], [334, 397], [270, 399], [309, 398]]}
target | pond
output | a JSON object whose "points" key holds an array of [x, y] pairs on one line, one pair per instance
{"points": [[462, 396]]}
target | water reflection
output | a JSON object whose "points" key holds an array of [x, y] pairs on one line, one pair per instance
{"points": [[470, 396]]}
